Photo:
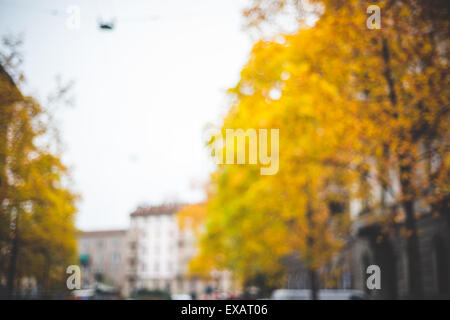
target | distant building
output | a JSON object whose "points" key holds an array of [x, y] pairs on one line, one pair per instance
{"points": [[160, 253], [153, 254], [103, 258]]}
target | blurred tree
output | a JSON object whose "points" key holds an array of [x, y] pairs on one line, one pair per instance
{"points": [[355, 107], [37, 232], [253, 221], [397, 77]]}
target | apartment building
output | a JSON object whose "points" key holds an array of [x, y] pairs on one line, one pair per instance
{"points": [[153, 254], [160, 252], [103, 258]]}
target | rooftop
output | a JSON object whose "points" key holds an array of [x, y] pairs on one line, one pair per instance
{"points": [[156, 210], [102, 232]]}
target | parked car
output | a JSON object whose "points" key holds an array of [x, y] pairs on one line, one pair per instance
{"points": [[324, 294], [181, 296]]}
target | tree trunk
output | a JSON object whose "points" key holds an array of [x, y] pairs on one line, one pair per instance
{"points": [[13, 258], [310, 243], [405, 170], [314, 281], [412, 241]]}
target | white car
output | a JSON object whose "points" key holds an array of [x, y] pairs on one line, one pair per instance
{"points": [[181, 296], [324, 294]]}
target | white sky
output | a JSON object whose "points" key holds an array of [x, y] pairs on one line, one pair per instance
{"points": [[143, 93]]}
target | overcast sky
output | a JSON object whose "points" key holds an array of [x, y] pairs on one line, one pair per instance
{"points": [[143, 93]]}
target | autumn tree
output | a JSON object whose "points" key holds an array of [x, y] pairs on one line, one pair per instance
{"points": [[397, 78], [37, 232], [253, 221], [356, 108]]}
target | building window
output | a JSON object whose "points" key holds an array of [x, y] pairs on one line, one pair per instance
{"points": [[116, 257]]}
